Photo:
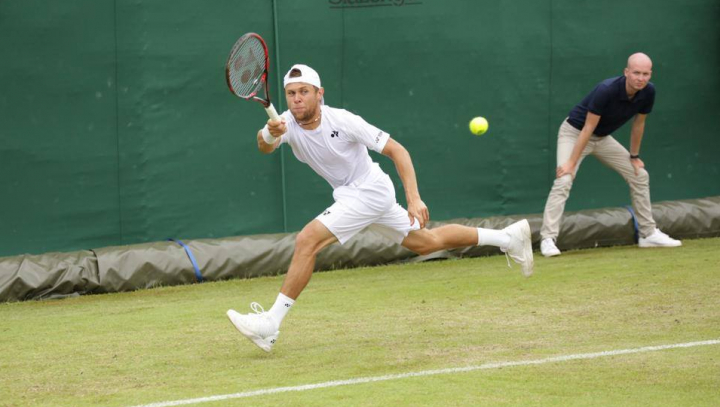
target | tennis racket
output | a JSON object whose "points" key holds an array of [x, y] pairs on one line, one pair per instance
{"points": [[246, 71]]}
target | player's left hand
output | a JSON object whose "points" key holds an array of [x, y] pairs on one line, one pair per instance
{"points": [[637, 164], [418, 210]]}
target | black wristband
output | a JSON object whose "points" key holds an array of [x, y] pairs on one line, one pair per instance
{"points": [[632, 157]]}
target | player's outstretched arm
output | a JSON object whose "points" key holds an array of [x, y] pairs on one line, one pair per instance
{"points": [[263, 146], [269, 138], [403, 163]]}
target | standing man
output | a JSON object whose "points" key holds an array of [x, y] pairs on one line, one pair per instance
{"points": [[588, 130], [335, 143]]}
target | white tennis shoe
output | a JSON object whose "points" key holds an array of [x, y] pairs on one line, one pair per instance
{"points": [[520, 247], [658, 239], [259, 327], [548, 248]]}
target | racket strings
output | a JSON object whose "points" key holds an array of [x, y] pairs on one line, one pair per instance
{"points": [[246, 67]]}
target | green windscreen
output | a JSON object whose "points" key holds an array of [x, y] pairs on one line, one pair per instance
{"points": [[116, 126]]}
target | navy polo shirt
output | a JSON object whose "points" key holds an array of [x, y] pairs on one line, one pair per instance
{"points": [[609, 100]]}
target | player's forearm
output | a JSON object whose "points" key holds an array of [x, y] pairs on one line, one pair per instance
{"points": [[263, 146], [269, 136], [406, 171]]}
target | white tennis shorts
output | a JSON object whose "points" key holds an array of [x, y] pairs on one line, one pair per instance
{"points": [[372, 202]]}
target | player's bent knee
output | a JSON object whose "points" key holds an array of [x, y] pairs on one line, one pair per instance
{"points": [[422, 242], [307, 240], [313, 238]]}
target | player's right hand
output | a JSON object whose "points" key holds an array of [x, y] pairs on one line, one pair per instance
{"points": [[277, 127]]}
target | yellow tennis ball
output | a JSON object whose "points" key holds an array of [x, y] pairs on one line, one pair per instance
{"points": [[478, 126]]}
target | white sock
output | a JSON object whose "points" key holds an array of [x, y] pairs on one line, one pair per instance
{"points": [[491, 237], [281, 307]]}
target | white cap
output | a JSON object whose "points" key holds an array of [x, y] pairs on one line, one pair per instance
{"points": [[307, 75]]}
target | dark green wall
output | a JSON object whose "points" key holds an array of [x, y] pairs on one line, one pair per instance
{"points": [[116, 126]]}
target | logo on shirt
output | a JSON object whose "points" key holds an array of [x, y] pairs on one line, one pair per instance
{"points": [[377, 138], [326, 213], [335, 134]]}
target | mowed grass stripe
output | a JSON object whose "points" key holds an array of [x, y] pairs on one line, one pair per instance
{"points": [[487, 366], [175, 343]]}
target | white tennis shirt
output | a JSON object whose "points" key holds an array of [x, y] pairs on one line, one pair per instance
{"points": [[338, 149]]}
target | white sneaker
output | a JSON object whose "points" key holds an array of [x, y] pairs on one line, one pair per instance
{"points": [[520, 247], [259, 327], [658, 239], [548, 248]]}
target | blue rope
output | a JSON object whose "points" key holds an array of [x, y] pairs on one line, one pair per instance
{"points": [[635, 224], [198, 276]]}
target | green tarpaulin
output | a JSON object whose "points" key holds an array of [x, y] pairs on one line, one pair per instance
{"points": [[127, 268]]}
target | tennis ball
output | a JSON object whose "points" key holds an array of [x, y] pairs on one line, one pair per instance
{"points": [[478, 126]]}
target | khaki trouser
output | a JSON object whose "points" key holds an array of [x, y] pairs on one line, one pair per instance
{"points": [[612, 154]]}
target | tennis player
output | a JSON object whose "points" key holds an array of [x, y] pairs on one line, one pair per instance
{"points": [[335, 143]]}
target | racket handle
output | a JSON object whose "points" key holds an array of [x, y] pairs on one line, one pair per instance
{"points": [[272, 113]]}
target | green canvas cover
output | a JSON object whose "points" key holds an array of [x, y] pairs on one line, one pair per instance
{"points": [[133, 267]]}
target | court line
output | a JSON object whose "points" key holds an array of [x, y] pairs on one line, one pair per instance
{"points": [[361, 380]]}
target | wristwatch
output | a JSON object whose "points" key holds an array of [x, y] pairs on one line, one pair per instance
{"points": [[632, 157]]}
